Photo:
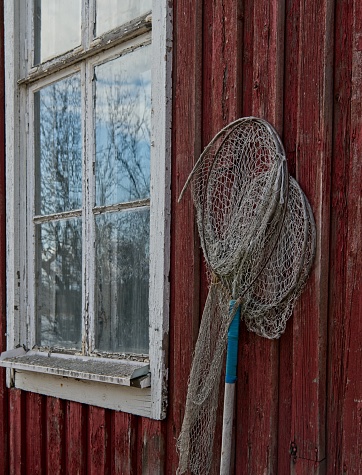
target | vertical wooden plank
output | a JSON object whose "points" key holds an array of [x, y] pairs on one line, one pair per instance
{"points": [[54, 443], [4, 427], [124, 436], [344, 409], [222, 85], [352, 415], [98, 441], [268, 61], [16, 439], [313, 151], [221, 66], [286, 369], [151, 448], [34, 433], [257, 399], [4, 438], [186, 138], [75, 438]]}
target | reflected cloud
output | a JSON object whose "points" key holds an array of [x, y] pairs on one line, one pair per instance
{"points": [[57, 27], [113, 13], [123, 123]]}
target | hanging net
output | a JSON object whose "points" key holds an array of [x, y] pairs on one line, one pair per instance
{"points": [[258, 238]]}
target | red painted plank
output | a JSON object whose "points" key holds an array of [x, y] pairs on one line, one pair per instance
{"points": [[35, 456], [313, 151], [224, 89], [98, 441], [344, 413], [291, 82], [55, 437], [222, 86], [257, 390], [16, 435], [124, 435], [268, 65], [75, 438], [4, 439], [151, 448], [186, 137]]}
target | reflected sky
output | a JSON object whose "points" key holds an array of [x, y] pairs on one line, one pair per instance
{"points": [[113, 13], [57, 27], [58, 146], [123, 123]]}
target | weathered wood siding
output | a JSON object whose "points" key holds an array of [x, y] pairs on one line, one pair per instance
{"points": [[298, 64]]}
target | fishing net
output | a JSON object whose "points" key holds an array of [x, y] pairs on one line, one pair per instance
{"points": [[258, 238]]}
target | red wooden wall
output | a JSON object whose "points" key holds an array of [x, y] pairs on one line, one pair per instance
{"points": [[298, 64]]}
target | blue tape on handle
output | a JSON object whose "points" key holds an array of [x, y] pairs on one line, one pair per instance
{"points": [[232, 348]]}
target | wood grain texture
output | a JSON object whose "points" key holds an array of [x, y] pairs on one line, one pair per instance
{"points": [[221, 104], [313, 152], [98, 450], [55, 436], [186, 141], [76, 438], [257, 396], [123, 448], [17, 445], [35, 436], [344, 414], [290, 103], [150, 448]]}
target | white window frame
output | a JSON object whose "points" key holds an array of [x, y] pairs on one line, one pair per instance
{"points": [[145, 401]]}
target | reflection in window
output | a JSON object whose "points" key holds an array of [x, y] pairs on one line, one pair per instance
{"points": [[122, 281], [59, 283], [58, 146], [113, 13], [123, 118], [57, 26]]}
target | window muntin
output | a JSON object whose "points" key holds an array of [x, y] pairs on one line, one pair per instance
{"points": [[57, 28], [113, 13]]}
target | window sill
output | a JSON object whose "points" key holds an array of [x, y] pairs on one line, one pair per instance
{"points": [[121, 385]]}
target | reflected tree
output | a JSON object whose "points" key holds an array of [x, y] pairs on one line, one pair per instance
{"points": [[59, 189], [122, 120], [122, 175]]}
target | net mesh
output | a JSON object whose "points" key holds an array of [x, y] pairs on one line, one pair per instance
{"points": [[258, 238]]}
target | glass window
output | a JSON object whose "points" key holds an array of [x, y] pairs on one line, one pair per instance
{"points": [[59, 284], [57, 28], [122, 280], [58, 146], [89, 200], [113, 13], [123, 128]]}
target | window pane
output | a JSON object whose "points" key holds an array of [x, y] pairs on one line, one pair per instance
{"points": [[123, 117], [58, 146], [57, 26], [59, 283], [112, 13], [122, 281]]}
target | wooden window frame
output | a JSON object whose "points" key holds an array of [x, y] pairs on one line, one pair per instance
{"points": [[101, 391]]}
